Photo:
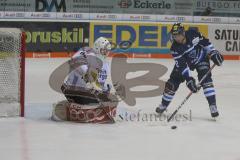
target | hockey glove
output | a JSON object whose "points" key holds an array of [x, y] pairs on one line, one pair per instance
{"points": [[191, 84], [216, 57], [106, 88]]}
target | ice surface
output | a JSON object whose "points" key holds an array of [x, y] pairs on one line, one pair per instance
{"points": [[35, 137]]}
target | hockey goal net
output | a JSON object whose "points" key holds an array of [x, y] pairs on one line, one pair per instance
{"points": [[12, 66]]}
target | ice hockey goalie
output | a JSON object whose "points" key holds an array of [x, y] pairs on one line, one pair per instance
{"points": [[88, 94]]}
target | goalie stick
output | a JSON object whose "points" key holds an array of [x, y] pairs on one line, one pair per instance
{"points": [[189, 95]]}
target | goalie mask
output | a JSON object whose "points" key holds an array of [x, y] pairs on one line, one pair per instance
{"points": [[102, 46]]}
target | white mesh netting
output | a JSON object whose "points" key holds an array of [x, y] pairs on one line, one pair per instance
{"points": [[10, 71]]}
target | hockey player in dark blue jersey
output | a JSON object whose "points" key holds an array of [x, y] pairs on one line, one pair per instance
{"points": [[191, 51]]}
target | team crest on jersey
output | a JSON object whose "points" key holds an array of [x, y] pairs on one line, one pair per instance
{"points": [[103, 74], [192, 54]]}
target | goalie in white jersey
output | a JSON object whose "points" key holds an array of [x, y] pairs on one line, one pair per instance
{"points": [[89, 72], [88, 94]]}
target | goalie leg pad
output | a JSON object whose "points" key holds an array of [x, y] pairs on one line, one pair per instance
{"points": [[66, 111], [59, 112]]}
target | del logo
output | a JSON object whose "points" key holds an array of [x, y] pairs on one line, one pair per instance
{"points": [[52, 5], [125, 3]]}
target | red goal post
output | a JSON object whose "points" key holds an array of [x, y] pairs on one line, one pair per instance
{"points": [[12, 72]]}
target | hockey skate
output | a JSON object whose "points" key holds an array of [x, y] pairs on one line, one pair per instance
{"points": [[161, 108], [214, 111]]}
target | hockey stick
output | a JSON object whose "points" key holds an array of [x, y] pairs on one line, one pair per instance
{"points": [[189, 95]]}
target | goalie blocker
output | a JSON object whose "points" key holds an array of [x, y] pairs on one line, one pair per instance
{"points": [[85, 106]]}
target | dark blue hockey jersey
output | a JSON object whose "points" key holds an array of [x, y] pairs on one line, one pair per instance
{"points": [[188, 55]]}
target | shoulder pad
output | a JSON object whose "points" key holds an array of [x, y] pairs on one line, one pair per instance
{"points": [[194, 36], [192, 32]]}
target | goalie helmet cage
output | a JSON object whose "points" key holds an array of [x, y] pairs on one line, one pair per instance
{"points": [[12, 72]]}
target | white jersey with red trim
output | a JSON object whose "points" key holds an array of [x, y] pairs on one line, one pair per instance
{"points": [[87, 61]]}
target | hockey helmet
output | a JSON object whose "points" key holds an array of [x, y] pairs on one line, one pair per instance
{"points": [[177, 28], [102, 46]]}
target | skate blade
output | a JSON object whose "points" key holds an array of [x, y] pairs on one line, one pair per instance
{"points": [[215, 119]]}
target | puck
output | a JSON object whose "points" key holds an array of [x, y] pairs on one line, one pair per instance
{"points": [[173, 127]]}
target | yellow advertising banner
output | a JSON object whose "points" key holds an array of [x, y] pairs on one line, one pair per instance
{"points": [[142, 37]]}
